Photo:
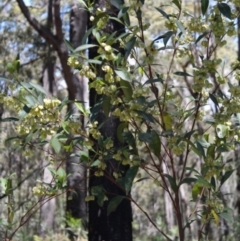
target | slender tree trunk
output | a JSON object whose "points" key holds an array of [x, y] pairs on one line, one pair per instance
{"points": [[77, 179], [75, 203], [48, 81], [116, 226]]}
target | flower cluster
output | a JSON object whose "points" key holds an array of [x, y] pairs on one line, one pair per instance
{"points": [[73, 62], [106, 52], [44, 118], [87, 71]]}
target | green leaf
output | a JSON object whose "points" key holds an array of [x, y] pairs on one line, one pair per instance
{"points": [[177, 3], [116, 19], [69, 45], [150, 81], [80, 107], [155, 144], [213, 98], [225, 10], [84, 156], [106, 104], [167, 36], [145, 116], [222, 130], [167, 121], [93, 61], [200, 148], [202, 182], [142, 179], [187, 180], [55, 143], [204, 6], [28, 138], [163, 13], [192, 170], [195, 149], [145, 137], [129, 138], [117, 3], [201, 36], [83, 3], [9, 119], [226, 175], [129, 177], [180, 73], [11, 138], [98, 191], [172, 182], [127, 89], [213, 182], [189, 134], [39, 88], [227, 216], [86, 35], [114, 203], [215, 216], [95, 163], [129, 46], [85, 47], [180, 26], [5, 79], [196, 189], [61, 175], [120, 129], [31, 101], [123, 74]]}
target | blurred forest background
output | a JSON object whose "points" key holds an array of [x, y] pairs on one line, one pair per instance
{"points": [[43, 60]]}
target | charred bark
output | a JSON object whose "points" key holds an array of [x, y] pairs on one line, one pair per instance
{"points": [[118, 225]]}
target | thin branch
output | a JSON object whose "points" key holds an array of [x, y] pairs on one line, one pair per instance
{"points": [[43, 32], [57, 19]]}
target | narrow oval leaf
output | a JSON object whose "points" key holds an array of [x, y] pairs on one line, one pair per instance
{"points": [[155, 144], [130, 175], [225, 10], [200, 37], [84, 47], [114, 203], [172, 182], [129, 46], [123, 74], [213, 98], [180, 73], [38, 87], [163, 13], [127, 89], [204, 6], [180, 26], [216, 218], [150, 81], [196, 189], [120, 129], [55, 143], [117, 3], [177, 3], [188, 180], [226, 175], [9, 119]]}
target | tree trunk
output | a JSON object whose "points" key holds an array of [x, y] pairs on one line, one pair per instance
{"points": [[75, 203], [48, 82], [77, 180], [117, 226]]}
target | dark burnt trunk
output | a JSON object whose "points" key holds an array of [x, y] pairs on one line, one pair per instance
{"points": [[118, 225]]}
